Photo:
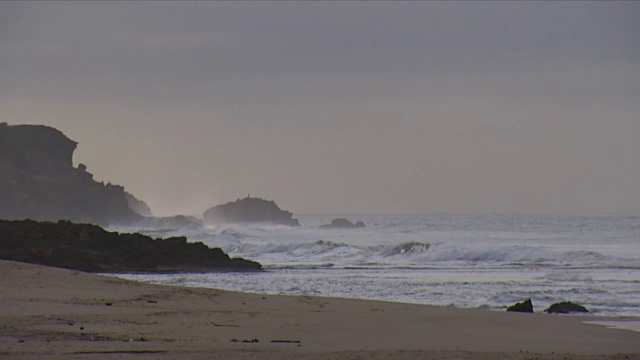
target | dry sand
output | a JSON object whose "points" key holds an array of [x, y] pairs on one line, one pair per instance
{"points": [[50, 313]]}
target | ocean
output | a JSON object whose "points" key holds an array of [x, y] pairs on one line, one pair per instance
{"points": [[486, 261]]}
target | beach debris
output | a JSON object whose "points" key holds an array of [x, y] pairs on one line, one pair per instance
{"points": [[252, 341], [139, 339], [566, 307], [225, 325], [286, 341], [152, 301], [93, 337], [525, 307], [108, 304]]}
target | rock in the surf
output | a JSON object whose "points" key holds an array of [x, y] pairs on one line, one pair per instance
{"points": [[249, 210], [525, 306], [566, 307], [341, 223]]}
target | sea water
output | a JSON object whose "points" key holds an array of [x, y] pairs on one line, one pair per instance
{"points": [[474, 261]]}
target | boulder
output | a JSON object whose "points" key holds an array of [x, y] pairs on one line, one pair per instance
{"points": [[341, 223], [525, 306], [566, 307], [249, 210], [88, 247]]}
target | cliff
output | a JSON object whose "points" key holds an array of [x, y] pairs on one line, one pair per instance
{"points": [[249, 210], [90, 248], [38, 181]]}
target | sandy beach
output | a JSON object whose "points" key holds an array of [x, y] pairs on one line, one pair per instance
{"points": [[51, 313]]}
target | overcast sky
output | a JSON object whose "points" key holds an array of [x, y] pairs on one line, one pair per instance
{"points": [[338, 107]]}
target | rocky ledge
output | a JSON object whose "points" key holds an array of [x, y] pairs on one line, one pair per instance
{"points": [[249, 210], [91, 248]]}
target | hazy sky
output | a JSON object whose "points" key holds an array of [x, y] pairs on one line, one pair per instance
{"points": [[338, 107]]}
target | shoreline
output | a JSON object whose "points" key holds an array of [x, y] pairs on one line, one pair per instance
{"points": [[126, 276], [51, 313]]}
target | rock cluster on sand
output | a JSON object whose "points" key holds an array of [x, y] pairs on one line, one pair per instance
{"points": [[90, 248], [341, 223], [249, 210], [38, 181], [565, 307], [525, 306]]}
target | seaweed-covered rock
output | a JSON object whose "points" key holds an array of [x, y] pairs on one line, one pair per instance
{"points": [[525, 306], [249, 210], [90, 248], [566, 307], [341, 223]]}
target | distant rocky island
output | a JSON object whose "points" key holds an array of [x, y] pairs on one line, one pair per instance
{"points": [[249, 210], [90, 248], [38, 181], [341, 223]]}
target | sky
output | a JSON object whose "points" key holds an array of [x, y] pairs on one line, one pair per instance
{"points": [[338, 107]]}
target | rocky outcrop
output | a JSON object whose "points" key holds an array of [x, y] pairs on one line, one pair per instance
{"points": [[525, 306], [90, 248], [138, 205], [341, 223], [38, 181], [566, 307], [249, 210]]}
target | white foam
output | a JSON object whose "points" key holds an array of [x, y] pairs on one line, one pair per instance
{"points": [[488, 261], [633, 325]]}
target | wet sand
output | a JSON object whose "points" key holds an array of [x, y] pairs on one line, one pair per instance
{"points": [[50, 313]]}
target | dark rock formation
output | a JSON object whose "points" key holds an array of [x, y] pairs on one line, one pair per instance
{"points": [[90, 248], [525, 306], [137, 205], [341, 223], [38, 181], [566, 307], [249, 210]]}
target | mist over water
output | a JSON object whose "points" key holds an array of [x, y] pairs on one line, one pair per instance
{"points": [[477, 261]]}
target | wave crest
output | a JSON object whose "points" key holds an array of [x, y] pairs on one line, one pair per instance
{"points": [[409, 248]]}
